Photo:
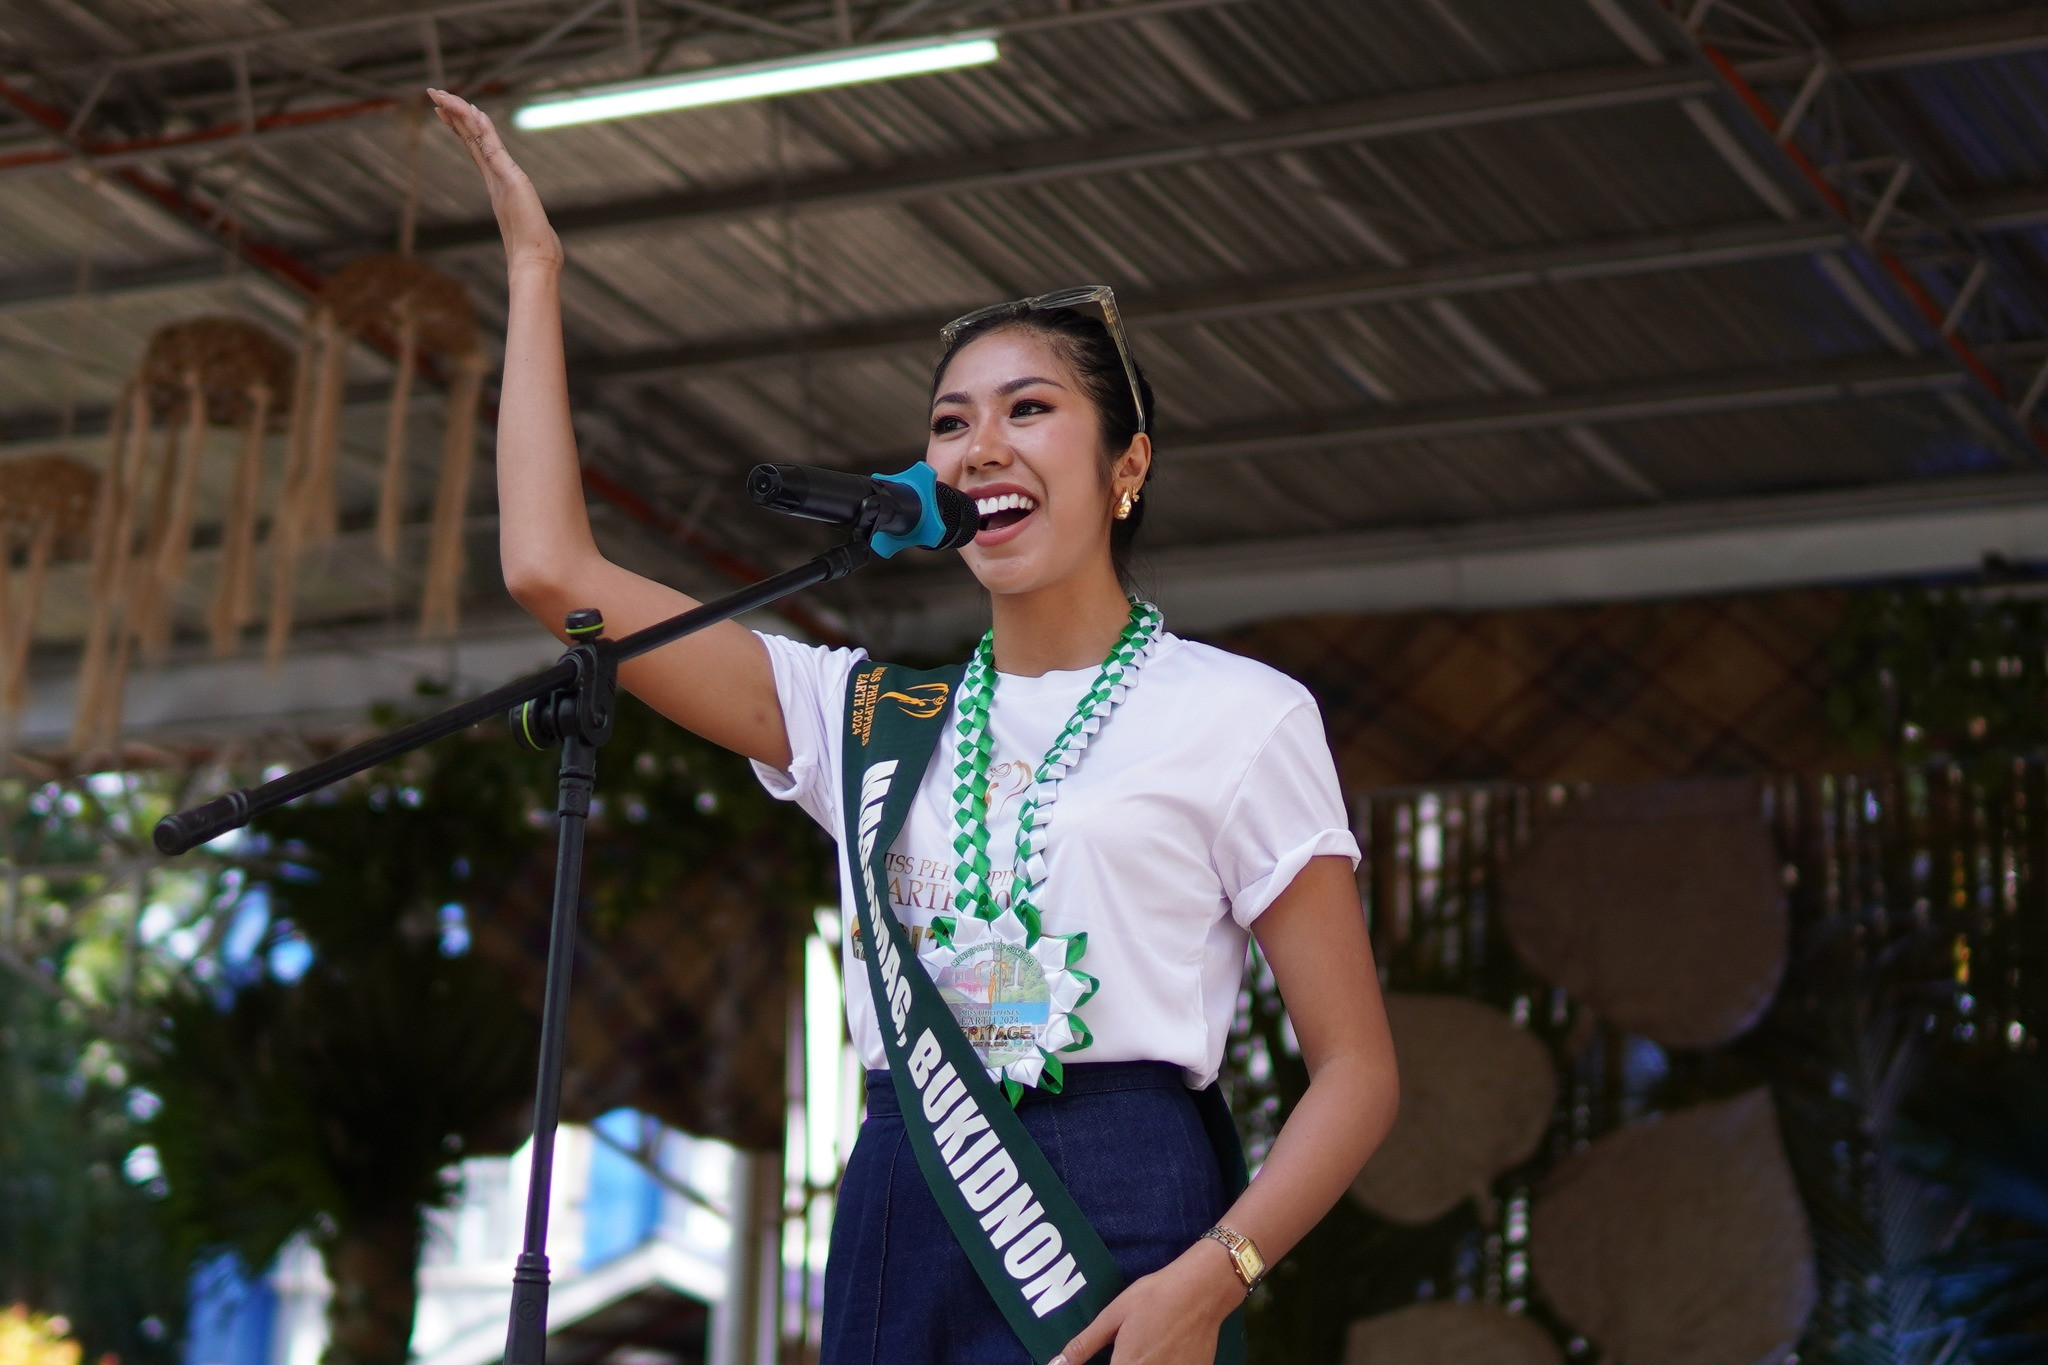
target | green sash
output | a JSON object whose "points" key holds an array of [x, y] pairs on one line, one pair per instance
{"points": [[1028, 1241]]}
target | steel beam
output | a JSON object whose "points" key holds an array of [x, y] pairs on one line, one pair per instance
{"points": [[1922, 528], [2015, 33], [1693, 397], [1690, 396], [1280, 296], [406, 21], [1406, 114], [1040, 163], [232, 123], [1684, 397], [38, 293], [30, 430], [1843, 151], [1270, 297], [1403, 115], [318, 685], [1598, 258]]}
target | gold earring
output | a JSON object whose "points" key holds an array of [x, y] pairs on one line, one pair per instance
{"points": [[1123, 506]]}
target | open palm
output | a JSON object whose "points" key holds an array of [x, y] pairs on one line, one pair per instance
{"points": [[524, 223]]}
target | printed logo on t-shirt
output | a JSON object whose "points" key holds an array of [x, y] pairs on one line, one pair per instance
{"points": [[920, 888]]}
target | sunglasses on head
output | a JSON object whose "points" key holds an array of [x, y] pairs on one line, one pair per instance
{"points": [[1099, 294]]}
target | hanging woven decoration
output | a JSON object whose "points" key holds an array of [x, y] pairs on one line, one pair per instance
{"points": [[1476, 1096], [1680, 1240], [1449, 1333], [45, 513], [195, 376], [1661, 906], [425, 317]]}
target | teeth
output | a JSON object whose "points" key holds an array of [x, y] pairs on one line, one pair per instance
{"points": [[1006, 502]]}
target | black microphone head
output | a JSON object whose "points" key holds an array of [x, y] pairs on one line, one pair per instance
{"points": [[767, 484], [956, 509]]}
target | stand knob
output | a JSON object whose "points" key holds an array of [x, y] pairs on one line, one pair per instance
{"points": [[533, 724], [584, 623]]}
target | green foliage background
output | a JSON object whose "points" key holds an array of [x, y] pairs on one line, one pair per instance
{"points": [[78, 1236], [1951, 674], [279, 1101]]}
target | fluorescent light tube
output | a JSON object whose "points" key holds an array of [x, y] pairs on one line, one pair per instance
{"points": [[760, 80]]}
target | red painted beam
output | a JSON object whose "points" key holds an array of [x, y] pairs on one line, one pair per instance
{"points": [[201, 137], [1901, 275]]}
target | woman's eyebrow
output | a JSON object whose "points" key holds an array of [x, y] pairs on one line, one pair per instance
{"points": [[1002, 390]]}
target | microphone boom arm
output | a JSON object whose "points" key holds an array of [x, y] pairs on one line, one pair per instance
{"points": [[188, 829], [570, 703]]}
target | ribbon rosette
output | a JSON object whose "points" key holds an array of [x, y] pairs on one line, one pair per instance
{"points": [[1015, 991]]}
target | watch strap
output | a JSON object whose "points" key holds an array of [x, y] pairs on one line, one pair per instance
{"points": [[1242, 1249]]}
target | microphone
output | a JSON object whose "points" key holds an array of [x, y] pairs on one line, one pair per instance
{"points": [[894, 511]]}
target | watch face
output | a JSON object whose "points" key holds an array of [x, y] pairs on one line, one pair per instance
{"points": [[1244, 1255]]}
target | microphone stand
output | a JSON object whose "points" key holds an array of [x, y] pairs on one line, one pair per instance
{"points": [[571, 704]]}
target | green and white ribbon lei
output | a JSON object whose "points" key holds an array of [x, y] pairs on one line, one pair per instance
{"points": [[1019, 925]]}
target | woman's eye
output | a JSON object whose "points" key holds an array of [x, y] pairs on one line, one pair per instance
{"points": [[942, 426], [1029, 407]]}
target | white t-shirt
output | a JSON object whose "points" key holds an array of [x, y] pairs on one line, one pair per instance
{"points": [[1193, 808]]}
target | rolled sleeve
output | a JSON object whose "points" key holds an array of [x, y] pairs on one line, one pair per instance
{"points": [[810, 685], [1288, 809]]}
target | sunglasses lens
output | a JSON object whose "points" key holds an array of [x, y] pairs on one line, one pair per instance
{"points": [[979, 315], [1067, 298]]}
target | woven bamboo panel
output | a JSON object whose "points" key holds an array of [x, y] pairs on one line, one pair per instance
{"points": [[1622, 693]]}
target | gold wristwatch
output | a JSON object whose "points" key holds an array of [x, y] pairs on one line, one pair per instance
{"points": [[1244, 1255]]}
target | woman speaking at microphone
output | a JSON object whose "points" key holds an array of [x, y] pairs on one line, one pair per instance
{"points": [[1051, 858]]}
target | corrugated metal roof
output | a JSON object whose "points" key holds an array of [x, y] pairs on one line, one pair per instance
{"points": [[786, 262]]}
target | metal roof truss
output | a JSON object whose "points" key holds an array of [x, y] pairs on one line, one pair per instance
{"points": [[1943, 280]]}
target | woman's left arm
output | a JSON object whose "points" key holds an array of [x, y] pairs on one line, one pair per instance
{"points": [[1315, 940]]}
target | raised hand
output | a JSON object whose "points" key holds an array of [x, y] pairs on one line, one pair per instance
{"points": [[529, 238]]}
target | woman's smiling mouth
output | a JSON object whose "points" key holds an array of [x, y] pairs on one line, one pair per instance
{"points": [[1005, 509], [1002, 512]]}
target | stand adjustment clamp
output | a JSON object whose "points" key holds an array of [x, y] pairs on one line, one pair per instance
{"points": [[585, 707]]}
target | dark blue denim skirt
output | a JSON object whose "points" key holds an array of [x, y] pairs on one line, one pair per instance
{"points": [[1125, 1138]]}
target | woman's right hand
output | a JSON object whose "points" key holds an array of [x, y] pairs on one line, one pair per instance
{"points": [[718, 683], [529, 237]]}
